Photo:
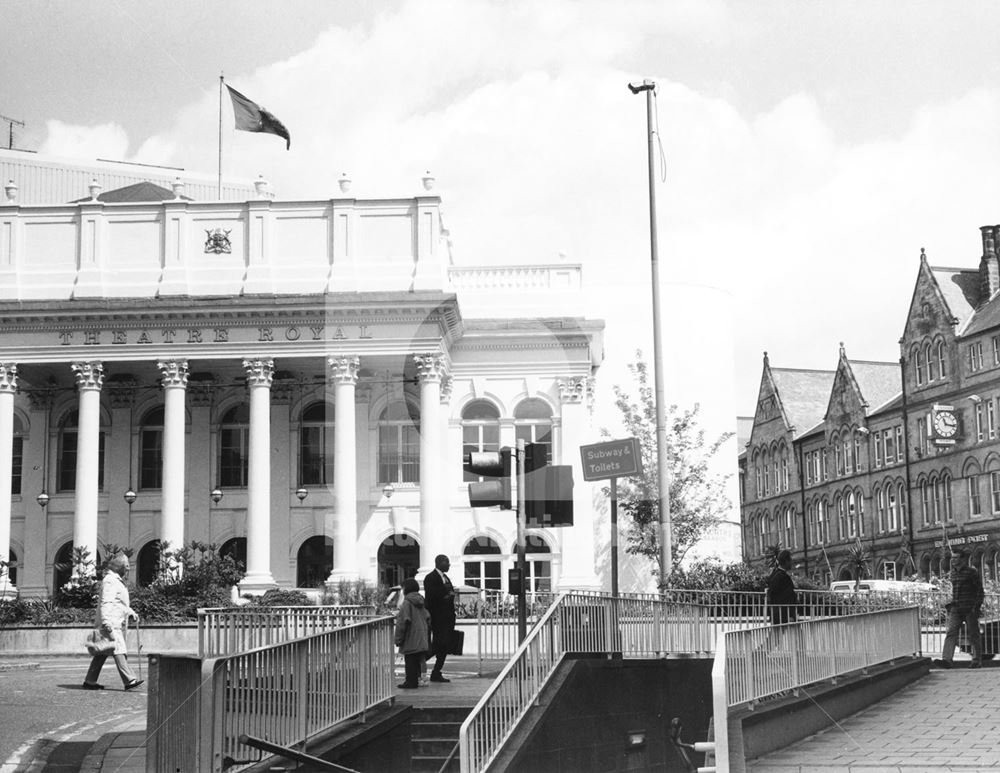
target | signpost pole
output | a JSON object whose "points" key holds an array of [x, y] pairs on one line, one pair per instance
{"points": [[522, 607], [614, 537]]}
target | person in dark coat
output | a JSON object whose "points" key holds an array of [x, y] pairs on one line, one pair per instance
{"points": [[781, 596], [965, 607], [412, 634], [440, 597]]}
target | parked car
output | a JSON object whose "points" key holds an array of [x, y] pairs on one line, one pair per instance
{"points": [[879, 586]]}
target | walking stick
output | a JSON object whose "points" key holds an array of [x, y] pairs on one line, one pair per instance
{"points": [[138, 647]]}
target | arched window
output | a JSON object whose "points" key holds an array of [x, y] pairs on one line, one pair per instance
{"points": [[942, 360], [761, 534], [146, 563], [151, 450], [315, 562], [919, 366], [12, 564], [234, 447], [842, 516], [398, 558], [480, 571], [538, 556], [758, 480], [398, 445], [62, 566], [68, 439], [480, 430], [789, 528], [533, 424], [925, 502], [17, 461], [784, 469], [932, 363], [852, 514], [235, 548], [944, 493], [316, 446]]}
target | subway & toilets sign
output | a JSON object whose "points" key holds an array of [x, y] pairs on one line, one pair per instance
{"points": [[614, 459]]}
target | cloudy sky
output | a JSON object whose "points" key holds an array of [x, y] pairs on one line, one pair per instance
{"points": [[810, 149]]}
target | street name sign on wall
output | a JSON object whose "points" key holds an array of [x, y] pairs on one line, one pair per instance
{"points": [[614, 459]]}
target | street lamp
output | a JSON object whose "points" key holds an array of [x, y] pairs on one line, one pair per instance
{"points": [[42, 498], [662, 463], [301, 493], [388, 490], [129, 496], [216, 494]]}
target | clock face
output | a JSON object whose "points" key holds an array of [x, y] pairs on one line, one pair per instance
{"points": [[945, 424]]}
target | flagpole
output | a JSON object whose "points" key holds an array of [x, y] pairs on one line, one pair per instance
{"points": [[221, 76]]}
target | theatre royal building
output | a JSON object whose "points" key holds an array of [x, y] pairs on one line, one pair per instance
{"points": [[294, 382]]}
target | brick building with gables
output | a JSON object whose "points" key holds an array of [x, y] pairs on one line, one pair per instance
{"points": [[889, 461]]}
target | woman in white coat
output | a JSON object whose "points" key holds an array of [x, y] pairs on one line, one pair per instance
{"points": [[113, 611]]}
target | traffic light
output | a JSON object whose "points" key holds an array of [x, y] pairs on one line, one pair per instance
{"points": [[496, 467], [548, 497]]}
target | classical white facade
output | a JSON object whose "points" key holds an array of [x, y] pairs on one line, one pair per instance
{"points": [[293, 380]]}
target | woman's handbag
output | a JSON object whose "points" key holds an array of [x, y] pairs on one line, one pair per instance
{"points": [[98, 644]]}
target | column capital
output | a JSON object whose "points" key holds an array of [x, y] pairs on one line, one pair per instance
{"points": [[8, 377], [344, 369], [89, 374], [574, 390], [259, 372], [173, 373], [431, 366]]}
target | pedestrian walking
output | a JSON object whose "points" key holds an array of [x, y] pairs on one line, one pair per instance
{"points": [[412, 634], [113, 613], [781, 596], [966, 604], [440, 596]]}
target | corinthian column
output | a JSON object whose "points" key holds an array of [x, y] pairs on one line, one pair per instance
{"points": [[89, 379], [173, 377], [8, 388], [431, 368], [258, 577], [344, 373]]}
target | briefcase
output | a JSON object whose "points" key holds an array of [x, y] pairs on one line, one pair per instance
{"points": [[456, 643]]}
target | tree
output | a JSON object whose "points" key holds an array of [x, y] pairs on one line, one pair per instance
{"points": [[697, 495]]}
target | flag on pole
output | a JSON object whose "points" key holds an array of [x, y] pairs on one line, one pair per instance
{"points": [[251, 117]]}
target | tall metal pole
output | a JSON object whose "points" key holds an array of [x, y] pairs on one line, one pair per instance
{"points": [[219, 190], [522, 514], [662, 460]]}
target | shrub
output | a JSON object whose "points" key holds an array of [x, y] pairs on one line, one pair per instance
{"points": [[356, 592], [280, 597]]}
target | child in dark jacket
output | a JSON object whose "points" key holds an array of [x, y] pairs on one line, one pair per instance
{"points": [[412, 638]]}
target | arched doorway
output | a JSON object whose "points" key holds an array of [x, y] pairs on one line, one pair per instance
{"points": [[236, 548], [146, 563], [398, 558], [314, 563], [845, 574], [62, 568]]}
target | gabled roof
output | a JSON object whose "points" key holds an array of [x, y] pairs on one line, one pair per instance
{"points": [[960, 288], [984, 318], [804, 395], [144, 191], [879, 382]]}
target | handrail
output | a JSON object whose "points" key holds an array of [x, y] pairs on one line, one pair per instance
{"points": [[288, 693], [633, 625], [754, 664], [225, 630]]}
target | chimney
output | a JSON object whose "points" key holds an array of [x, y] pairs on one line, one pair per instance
{"points": [[989, 269]]}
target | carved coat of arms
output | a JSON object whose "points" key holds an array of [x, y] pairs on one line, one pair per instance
{"points": [[218, 241]]}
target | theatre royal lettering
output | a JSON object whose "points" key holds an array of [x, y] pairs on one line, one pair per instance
{"points": [[201, 335]]}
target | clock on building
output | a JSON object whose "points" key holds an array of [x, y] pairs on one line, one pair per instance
{"points": [[945, 422]]}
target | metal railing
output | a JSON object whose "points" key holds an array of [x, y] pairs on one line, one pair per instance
{"points": [[636, 626], [225, 630], [754, 664], [286, 693]]}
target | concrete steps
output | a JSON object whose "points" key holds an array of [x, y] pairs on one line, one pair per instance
{"points": [[435, 734]]}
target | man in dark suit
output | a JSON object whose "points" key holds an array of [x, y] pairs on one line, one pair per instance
{"points": [[439, 595]]}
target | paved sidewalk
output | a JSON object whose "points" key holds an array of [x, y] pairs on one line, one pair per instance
{"points": [[947, 721]]}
